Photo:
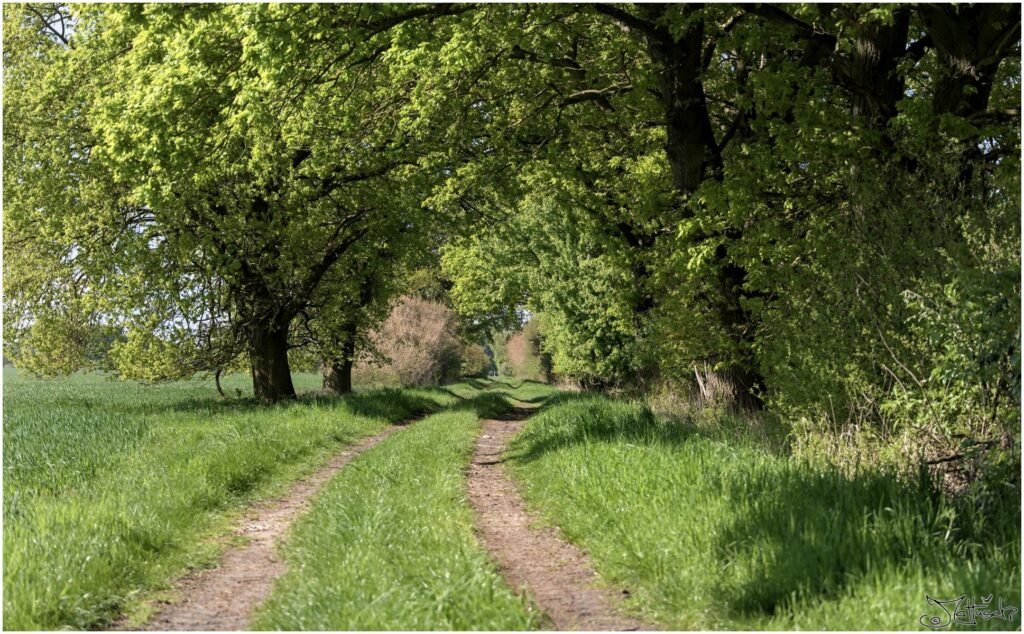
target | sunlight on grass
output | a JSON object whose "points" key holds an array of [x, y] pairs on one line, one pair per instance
{"points": [[110, 486], [389, 544], [713, 535]]}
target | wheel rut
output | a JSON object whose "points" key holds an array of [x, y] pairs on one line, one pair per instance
{"points": [[556, 573], [224, 598]]}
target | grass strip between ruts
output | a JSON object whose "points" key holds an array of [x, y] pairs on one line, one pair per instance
{"points": [[389, 543]]}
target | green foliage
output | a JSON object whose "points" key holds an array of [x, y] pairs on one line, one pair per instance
{"points": [[109, 490], [848, 245], [475, 362], [225, 188], [707, 534], [522, 353], [584, 292], [390, 545], [817, 204], [711, 186]]}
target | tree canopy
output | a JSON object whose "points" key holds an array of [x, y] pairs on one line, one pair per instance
{"points": [[814, 208]]}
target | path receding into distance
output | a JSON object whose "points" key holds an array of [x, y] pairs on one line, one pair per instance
{"points": [[225, 597], [553, 571]]}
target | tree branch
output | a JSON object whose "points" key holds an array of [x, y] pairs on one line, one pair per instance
{"points": [[48, 24], [709, 50], [332, 255], [338, 178], [561, 62], [630, 21], [599, 95], [431, 11], [804, 30]]}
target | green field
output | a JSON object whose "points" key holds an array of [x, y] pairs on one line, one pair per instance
{"points": [[709, 534], [112, 489]]}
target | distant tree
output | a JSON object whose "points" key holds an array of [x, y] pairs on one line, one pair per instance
{"points": [[474, 361]]}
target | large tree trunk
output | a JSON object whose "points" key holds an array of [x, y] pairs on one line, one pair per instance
{"points": [[338, 376], [877, 85], [268, 352], [338, 372], [694, 157], [971, 41]]}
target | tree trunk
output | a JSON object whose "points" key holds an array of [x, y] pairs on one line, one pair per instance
{"points": [[216, 381], [971, 40], [694, 157], [338, 377], [874, 70], [338, 372], [268, 352]]}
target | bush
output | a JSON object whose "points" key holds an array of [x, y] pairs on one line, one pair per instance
{"points": [[475, 361], [419, 343], [524, 358]]}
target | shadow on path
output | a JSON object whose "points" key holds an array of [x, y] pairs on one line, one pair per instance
{"points": [[555, 573]]}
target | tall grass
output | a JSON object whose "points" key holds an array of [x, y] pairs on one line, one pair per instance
{"points": [[389, 543], [709, 534], [110, 488]]}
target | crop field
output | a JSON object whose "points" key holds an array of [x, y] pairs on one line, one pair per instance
{"points": [[111, 489]]}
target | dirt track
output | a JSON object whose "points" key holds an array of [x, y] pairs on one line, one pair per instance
{"points": [[553, 571], [224, 598]]}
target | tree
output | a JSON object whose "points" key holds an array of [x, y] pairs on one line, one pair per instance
{"points": [[800, 146], [817, 201], [243, 172], [419, 342]]}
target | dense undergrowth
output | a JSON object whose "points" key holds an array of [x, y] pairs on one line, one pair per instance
{"points": [[111, 488], [708, 532], [389, 544]]}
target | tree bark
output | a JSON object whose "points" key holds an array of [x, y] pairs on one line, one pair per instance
{"points": [[971, 41], [216, 381], [338, 376], [338, 372], [878, 50], [694, 157], [268, 352]]}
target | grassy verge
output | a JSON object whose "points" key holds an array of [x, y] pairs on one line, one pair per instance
{"points": [[389, 543], [112, 489], [709, 534]]}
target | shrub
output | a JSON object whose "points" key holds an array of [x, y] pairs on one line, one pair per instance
{"points": [[419, 342], [475, 361], [524, 357]]}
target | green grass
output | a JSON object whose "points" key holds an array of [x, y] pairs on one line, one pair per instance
{"points": [[389, 543], [112, 489], [709, 534]]}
